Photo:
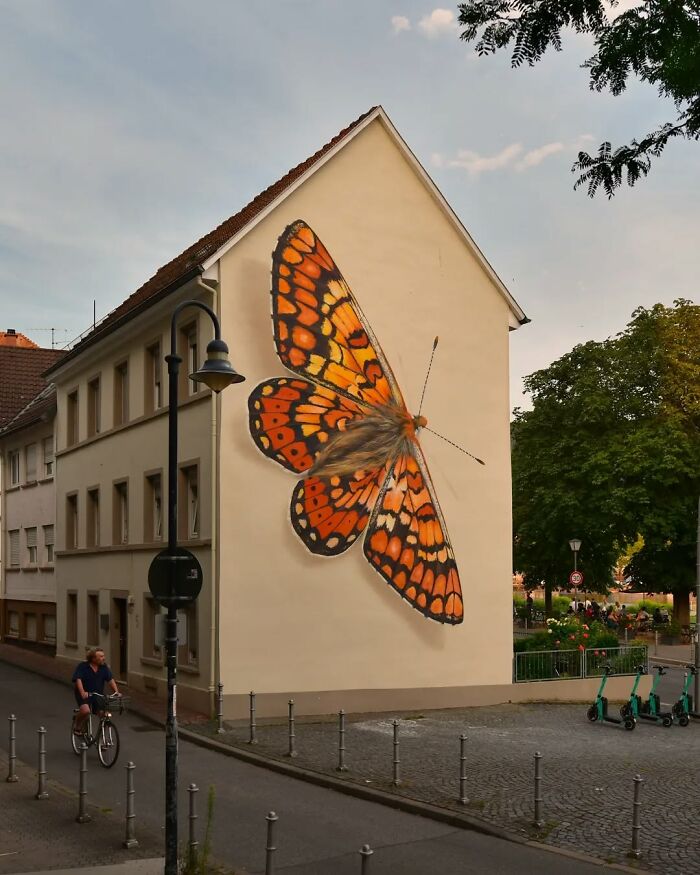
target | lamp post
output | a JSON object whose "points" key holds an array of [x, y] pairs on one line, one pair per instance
{"points": [[217, 373], [575, 545], [696, 688]]}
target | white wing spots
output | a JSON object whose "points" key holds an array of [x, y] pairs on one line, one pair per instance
{"points": [[299, 507], [332, 543], [302, 522], [385, 521], [312, 535]]}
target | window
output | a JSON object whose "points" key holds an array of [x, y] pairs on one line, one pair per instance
{"points": [[152, 629], [72, 616], [71, 522], [153, 509], [94, 407], [13, 624], [93, 619], [189, 353], [120, 513], [189, 502], [31, 545], [154, 371], [14, 547], [72, 419], [93, 518], [48, 451], [48, 544], [121, 394], [30, 627], [14, 467], [187, 650], [49, 631], [30, 463]]}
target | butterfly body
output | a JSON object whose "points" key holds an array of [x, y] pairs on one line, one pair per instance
{"points": [[341, 424]]}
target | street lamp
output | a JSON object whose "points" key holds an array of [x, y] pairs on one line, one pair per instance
{"points": [[575, 545], [217, 373]]}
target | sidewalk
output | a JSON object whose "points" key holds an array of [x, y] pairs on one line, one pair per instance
{"points": [[147, 706], [36, 835]]}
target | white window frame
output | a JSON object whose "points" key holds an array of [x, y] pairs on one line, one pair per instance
{"points": [[31, 541], [49, 543], [30, 463], [49, 456], [13, 549], [13, 459]]}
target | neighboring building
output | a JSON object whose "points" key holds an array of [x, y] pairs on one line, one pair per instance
{"points": [[15, 340], [27, 412], [271, 617]]}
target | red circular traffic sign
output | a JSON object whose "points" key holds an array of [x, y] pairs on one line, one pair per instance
{"points": [[576, 578]]}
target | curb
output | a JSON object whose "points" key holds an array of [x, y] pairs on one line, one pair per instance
{"points": [[369, 794]]}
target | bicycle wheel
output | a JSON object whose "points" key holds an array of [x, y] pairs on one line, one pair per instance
{"points": [[77, 740], [108, 744]]}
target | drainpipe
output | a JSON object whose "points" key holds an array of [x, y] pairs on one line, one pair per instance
{"points": [[214, 667]]}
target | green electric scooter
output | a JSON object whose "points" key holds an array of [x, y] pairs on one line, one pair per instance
{"points": [[683, 708], [599, 709], [650, 709]]}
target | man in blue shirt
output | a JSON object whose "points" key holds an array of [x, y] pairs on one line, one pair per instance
{"points": [[90, 677]]}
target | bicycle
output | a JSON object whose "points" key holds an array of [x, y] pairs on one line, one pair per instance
{"points": [[105, 735]]}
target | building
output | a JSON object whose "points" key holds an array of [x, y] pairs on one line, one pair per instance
{"points": [[27, 412], [271, 616]]}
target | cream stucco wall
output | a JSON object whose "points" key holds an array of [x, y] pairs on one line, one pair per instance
{"points": [[130, 452], [291, 621]]}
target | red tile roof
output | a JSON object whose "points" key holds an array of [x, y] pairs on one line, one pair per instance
{"points": [[14, 338], [21, 377], [189, 263], [40, 407]]}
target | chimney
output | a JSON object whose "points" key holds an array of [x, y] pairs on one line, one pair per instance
{"points": [[11, 331]]}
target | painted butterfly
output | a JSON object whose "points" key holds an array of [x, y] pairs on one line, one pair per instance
{"points": [[343, 424]]}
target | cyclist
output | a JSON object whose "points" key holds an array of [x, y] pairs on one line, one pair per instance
{"points": [[90, 677]]}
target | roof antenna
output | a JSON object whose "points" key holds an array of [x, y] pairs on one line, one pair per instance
{"points": [[430, 364]]}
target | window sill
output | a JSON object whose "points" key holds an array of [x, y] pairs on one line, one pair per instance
{"points": [[47, 479], [14, 487], [188, 669], [46, 568], [72, 644], [14, 569], [30, 484], [30, 569], [151, 660]]}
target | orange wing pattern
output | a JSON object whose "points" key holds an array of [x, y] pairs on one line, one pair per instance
{"points": [[319, 329], [407, 542], [292, 419], [329, 514]]}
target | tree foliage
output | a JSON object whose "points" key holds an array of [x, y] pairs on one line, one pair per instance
{"points": [[611, 451], [657, 41]]}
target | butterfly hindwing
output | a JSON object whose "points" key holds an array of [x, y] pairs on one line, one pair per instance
{"points": [[407, 541], [319, 329], [329, 514], [291, 420]]}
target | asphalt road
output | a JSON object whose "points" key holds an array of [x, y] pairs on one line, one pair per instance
{"points": [[319, 831]]}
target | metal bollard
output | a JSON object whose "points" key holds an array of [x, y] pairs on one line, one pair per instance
{"points": [[220, 707], [656, 642], [12, 758], [270, 848], [130, 837], [193, 845], [365, 852], [463, 769], [83, 816], [41, 790], [538, 821], [636, 850], [341, 742], [252, 739], [397, 762], [625, 635], [292, 752]]}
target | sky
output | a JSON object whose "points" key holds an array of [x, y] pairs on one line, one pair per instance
{"points": [[131, 129]]}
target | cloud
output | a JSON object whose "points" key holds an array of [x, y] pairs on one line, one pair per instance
{"points": [[474, 163], [399, 23], [439, 23], [537, 156]]}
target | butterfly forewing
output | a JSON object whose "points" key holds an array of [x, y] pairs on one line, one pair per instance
{"points": [[408, 544], [319, 329]]}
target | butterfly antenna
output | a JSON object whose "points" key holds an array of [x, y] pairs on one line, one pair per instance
{"points": [[461, 449], [430, 364]]}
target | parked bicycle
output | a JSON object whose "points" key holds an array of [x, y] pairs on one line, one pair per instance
{"points": [[99, 729]]}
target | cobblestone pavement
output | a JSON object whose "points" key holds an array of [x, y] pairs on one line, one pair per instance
{"points": [[588, 772], [43, 834]]}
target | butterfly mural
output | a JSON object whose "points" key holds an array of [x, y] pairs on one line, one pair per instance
{"points": [[341, 424]]}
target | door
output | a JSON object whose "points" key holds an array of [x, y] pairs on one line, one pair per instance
{"points": [[120, 642]]}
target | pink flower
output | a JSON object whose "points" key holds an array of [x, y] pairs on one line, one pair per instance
{"points": [[557, 642], [595, 653], [571, 637], [602, 653], [585, 634], [580, 647]]}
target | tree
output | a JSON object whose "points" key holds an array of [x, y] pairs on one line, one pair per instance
{"points": [[657, 41], [611, 451]]}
